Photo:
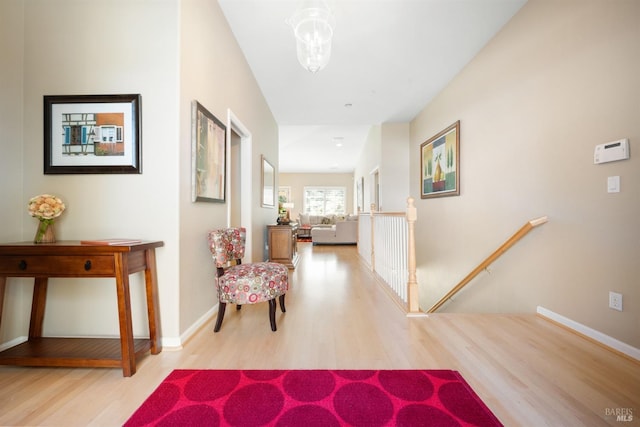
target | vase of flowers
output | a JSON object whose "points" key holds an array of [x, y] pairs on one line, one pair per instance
{"points": [[46, 208]]}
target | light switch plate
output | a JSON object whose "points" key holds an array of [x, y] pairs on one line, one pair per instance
{"points": [[613, 184]]}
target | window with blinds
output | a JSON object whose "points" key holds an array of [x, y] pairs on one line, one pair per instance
{"points": [[325, 200]]}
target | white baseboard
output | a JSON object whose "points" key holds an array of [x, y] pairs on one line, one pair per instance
{"points": [[7, 345], [171, 344], [419, 314], [603, 339], [175, 343]]}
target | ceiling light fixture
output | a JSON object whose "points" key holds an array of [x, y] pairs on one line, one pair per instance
{"points": [[313, 25]]}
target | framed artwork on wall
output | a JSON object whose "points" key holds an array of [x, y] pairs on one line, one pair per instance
{"points": [[208, 156], [268, 184], [440, 164], [92, 134], [284, 194]]}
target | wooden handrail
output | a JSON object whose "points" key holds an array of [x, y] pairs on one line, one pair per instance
{"points": [[487, 262]]}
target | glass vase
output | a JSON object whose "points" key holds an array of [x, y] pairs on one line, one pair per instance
{"points": [[45, 232]]}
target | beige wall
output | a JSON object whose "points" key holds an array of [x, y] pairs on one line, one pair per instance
{"points": [[385, 152], [137, 55], [394, 171], [168, 51], [297, 182], [12, 202], [218, 85], [560, 78], [368, 162]]}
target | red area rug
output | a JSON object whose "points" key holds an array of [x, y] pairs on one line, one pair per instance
{"points": [[311, 398]]}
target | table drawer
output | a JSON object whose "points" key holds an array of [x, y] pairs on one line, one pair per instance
{"points": [[57, 266]]}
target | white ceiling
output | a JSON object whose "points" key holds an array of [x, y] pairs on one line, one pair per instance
{"points": [[389, 59]]}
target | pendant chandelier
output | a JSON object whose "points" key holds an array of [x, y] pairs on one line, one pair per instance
{"points": [[313, 25]]}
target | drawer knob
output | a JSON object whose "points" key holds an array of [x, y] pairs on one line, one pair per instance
{"points": [[22, 265], [87, 265]]}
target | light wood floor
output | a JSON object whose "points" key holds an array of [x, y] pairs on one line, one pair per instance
{"points": [[529, 371]]}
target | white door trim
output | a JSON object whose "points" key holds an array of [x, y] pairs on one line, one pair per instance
{"points": [[246, 144]]}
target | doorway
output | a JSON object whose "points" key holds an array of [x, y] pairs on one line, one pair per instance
{"points": [[235, 180], [239, 178]]}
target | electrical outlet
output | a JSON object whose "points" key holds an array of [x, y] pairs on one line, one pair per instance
{"points": [[615, 301]]}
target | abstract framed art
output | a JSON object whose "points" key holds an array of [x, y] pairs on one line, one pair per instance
{"points": [[440, 164], [92, 134], [208, 156]]}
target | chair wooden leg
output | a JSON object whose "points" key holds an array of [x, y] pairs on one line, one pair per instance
{"points": [[272, 314], [284, 310], [221, 307]]}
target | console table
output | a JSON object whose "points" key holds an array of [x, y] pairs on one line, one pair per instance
{"points": [[73, 259]]}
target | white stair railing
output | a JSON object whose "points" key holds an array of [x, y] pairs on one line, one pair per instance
{"points": [[390, 251], [387, 245]]}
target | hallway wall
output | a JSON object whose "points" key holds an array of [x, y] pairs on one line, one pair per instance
{"points": [[168, 51], [559, 79]]}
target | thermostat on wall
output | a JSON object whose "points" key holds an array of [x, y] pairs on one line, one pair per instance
{"points": [[611, 151]]}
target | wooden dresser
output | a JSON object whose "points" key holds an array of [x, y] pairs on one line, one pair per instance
{"points": [[283, 246]]}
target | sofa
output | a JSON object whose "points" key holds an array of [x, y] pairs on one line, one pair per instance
{"points": [[331, 229]]}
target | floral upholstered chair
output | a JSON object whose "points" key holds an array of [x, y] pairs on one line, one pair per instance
{"points": [[245, 283]]}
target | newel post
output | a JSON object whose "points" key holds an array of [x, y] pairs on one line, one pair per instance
{"points": [[412, 284], [373, 240]]}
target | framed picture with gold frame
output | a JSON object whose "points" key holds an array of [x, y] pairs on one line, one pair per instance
{"points": [[440, 164], [208, 156]]}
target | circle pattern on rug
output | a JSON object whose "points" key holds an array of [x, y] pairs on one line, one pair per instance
{"points": [[308, 386], [421, 415], [355, 375], [253, 405], [455, 400], [161, 401], [308, 416], [263, 375], [363, 404], [192, 415], [199, 387], [408, 385]]}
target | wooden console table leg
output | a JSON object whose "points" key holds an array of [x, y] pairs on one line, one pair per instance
{"points": [[37, 306], [3, 282], [124, 315], [153, 307]]}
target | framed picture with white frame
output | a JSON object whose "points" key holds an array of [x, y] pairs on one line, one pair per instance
{"points": [[268, 184]]}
